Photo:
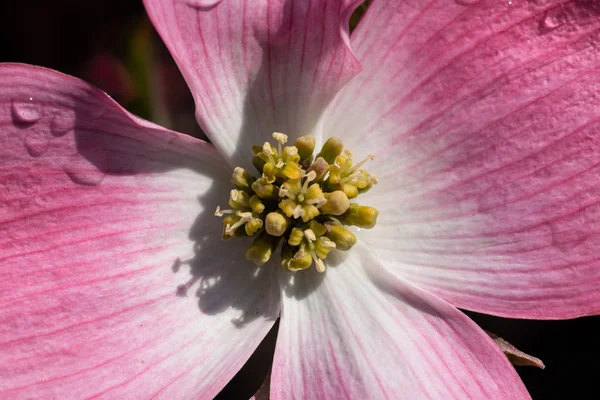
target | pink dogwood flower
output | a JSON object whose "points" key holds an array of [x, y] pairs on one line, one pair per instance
{"points": [[484, 119]]}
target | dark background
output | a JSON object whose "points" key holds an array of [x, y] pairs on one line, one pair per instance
{"points": [[112, 44]]}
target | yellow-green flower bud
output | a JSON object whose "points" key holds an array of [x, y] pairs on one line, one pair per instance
{"points": [[335, 174], [362, 216], [301, 260], [337, 203], [332, 148], [288, 206], [290, 153], [239, 200], [320, 167], [305, 146], [261, 249], [350, 190], [241, 179], [253, 226], [256, 204], [366, 188], [292, 170], [270, 172], [309, 212], [296, 237], [342, 237], [314, 192], [275, 224], [264, 189], [323, 246]]}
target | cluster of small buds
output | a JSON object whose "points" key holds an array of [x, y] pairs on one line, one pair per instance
{"points": [[300, 199]]}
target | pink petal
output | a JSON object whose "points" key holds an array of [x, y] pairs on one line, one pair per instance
{"points": [[365, 333], [92, 224], [255, 67], [485, 119]]}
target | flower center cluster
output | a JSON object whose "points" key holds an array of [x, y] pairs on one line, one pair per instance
{"points": [[301, 200]]}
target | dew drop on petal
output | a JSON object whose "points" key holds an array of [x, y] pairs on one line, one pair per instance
{"points": [[83, 172], [62, 122], [549, 22], [36, 142], [26, 111]]}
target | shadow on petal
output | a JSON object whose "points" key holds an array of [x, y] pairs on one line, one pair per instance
{"points": [[225, 279]]}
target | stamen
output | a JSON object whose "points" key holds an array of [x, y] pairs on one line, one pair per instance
{"points": [[220, 213], [283, 192], [302, 197], [245, 217], [355, 175], [280, 137], [370, 157], [309, 178], [320, 265]]}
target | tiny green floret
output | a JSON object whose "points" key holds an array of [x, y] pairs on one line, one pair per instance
{"points": [[300, 200]]}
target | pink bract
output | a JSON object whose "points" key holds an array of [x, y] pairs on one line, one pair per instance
{"points": [[483, 116]]}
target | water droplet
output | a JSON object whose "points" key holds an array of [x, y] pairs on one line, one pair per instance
{"points": [[203, 4], [62, 122], [83, 172], [36, 142], [549, 22], [26, 111]]}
